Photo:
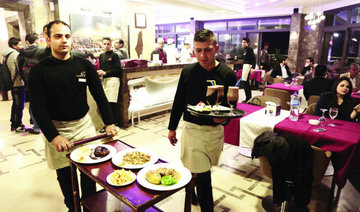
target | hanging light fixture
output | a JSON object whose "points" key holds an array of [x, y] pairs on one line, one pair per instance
{"points": [[313, 19]]}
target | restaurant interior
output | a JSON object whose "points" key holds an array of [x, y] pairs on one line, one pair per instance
{"points": [[326, 30]]}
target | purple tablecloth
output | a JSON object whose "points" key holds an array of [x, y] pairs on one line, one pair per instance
{"points": [[342, 140], [356, 97], [255, 75], [232, 129], [281, 86]]}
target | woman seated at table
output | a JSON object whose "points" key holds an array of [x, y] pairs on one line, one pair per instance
{"points": [[340, 98], [282, 70]]}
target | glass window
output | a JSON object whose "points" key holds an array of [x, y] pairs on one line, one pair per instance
{"points": [[215, 26], [355, 16], [241, 25], [168, 28], [341, 18], [353, 53], [182, 27], [334, 44], [275, 23], [230, 45]]}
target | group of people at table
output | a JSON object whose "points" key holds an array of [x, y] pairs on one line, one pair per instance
{"points": [[62, 112]]}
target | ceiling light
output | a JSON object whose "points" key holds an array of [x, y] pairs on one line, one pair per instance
{"points": [[336, 34]]}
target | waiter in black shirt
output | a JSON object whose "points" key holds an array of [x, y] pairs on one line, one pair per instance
{"points": [[202, 139], [248, 66], [58, 99]]}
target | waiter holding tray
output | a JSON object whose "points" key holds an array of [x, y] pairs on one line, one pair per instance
{"points": [[248, 66], [202, 138], [57, 87]]}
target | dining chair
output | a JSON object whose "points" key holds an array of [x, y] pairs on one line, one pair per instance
{"points": [[311, 109], [278, 80], [313, 99], [261, 100], [283, 95], [267, 78], [299, 81]]}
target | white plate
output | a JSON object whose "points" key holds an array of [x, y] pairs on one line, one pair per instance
{"points": [[113, 184], [117, 159], [185, 177], [215, 108], [88, 160]]}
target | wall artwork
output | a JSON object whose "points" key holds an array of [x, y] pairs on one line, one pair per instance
{"points": [[88, 31], [140, 20]]}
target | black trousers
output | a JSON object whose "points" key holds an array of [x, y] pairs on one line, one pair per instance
{"points": [[88, 186], [247, 89], [204, 191]]}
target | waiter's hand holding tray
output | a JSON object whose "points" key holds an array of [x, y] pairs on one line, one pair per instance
{"points": [[220, 112]]}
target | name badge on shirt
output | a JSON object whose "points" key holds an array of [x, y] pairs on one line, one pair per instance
{"points": [[82, 79]]}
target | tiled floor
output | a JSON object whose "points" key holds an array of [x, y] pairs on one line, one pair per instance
{"points": [[26, 184]]}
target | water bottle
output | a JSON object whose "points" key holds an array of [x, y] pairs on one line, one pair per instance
{"points": [[294, 107]]}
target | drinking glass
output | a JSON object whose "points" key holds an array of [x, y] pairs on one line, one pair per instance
{"points": [[322, 119], [212, 95], [333, 112], [232, 97], [220, 96]]}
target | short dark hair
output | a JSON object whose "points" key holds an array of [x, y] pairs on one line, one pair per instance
{"points": [[32, 37], [204, 35], [121, 42], [284, 58], [45, 27], [13, 41], [246, 39], [49, 25], [310, 59], [107, 38], [320, 70]]}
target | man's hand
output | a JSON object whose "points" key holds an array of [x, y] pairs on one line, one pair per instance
{"points": [[172, 137], [111, 129], [219, 121], [61, 144], [101, 73]]}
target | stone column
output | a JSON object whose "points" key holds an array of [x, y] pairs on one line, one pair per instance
{"points": [[304, 42]]}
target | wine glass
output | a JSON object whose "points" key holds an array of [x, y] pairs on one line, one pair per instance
{"points": [[232, 97], [322, 119], [333, 112], [220, 96], [212, 95]]}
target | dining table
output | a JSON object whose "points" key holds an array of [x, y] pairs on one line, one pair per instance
{"points": [[342, 139], [133, 197], [291, 89], [255, 75]]}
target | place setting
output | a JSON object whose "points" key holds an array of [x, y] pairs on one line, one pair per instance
{"points": [[213, 109]]}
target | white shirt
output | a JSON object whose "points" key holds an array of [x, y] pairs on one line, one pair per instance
{"points": [[283, 71], [353, 82]]}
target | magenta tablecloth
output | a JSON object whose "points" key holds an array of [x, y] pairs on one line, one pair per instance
{"points": [[255, 75], [356, 97], [342, 140], [232, 129], [281, 86]]}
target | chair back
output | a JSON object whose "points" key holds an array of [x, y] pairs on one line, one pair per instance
{"points": [[267, 78], [311, 109], [284, 96], [260, 100], [321, 161], [278, 80], [313, 99]]}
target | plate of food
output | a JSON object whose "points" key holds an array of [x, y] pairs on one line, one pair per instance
{"points": [[236, 113], [134, 158], [164, 177], [121, 177], [93, 153]]}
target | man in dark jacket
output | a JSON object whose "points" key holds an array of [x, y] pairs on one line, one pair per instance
{"points": [[26, 59], [282, 70], [248, 66], [319, 84]]}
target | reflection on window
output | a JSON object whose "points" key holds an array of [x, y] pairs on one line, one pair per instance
{"points": [[274, 23], [230, 45], [182, 27], [166, 28], [341, 18], [242, 25], [336, 45], [353, 53], [215, 26], [355, 16]]}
